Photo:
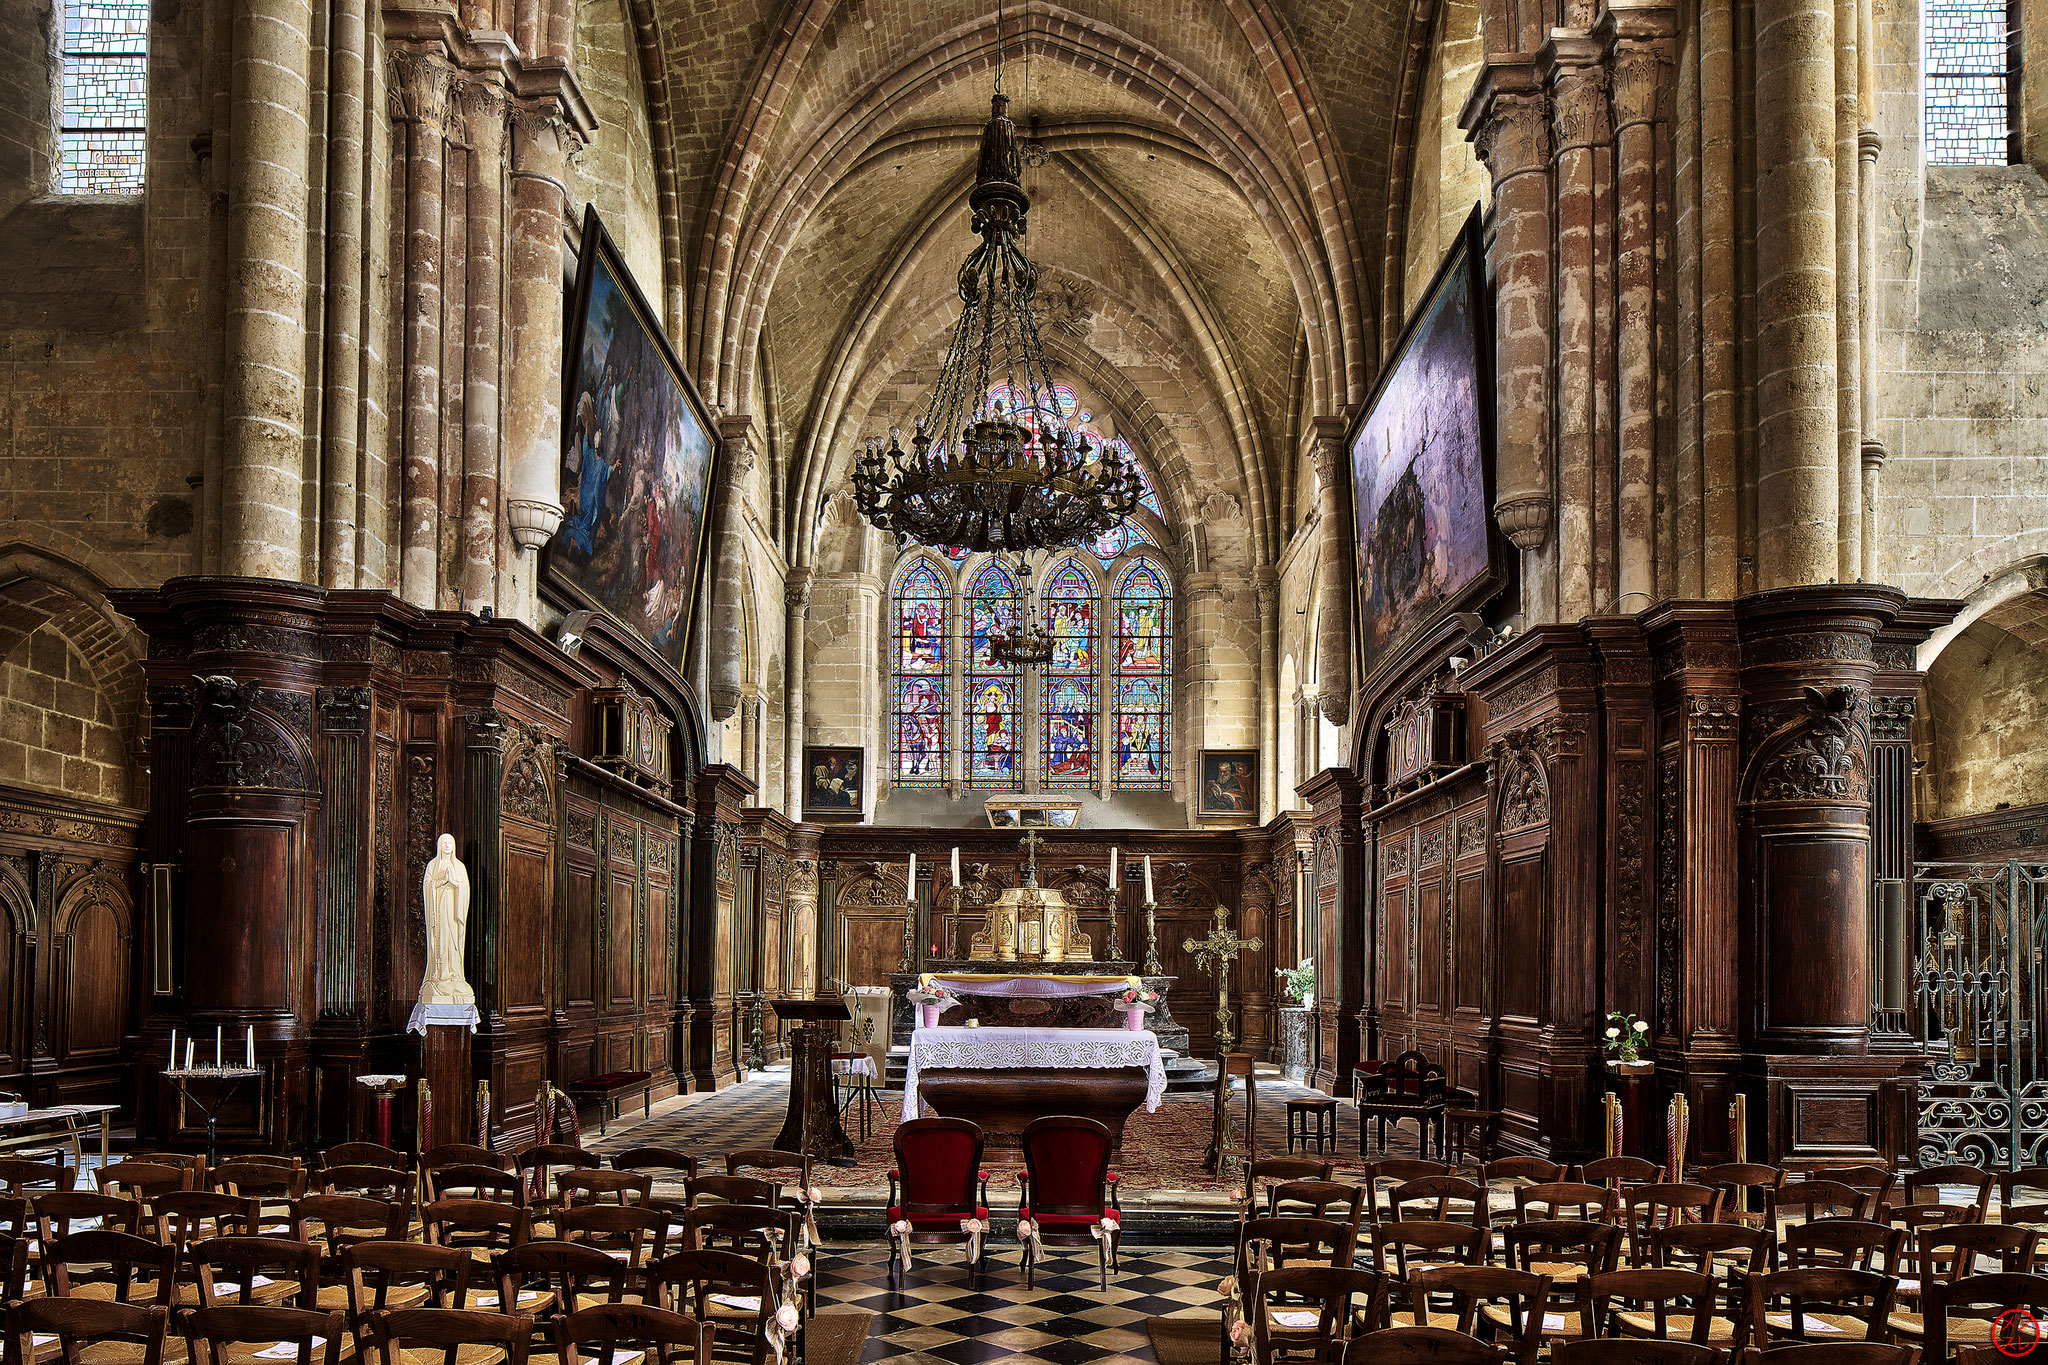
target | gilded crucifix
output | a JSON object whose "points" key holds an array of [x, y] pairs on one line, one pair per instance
{"points": [[1215, 954]]}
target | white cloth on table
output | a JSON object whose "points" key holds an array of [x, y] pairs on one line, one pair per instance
{"points": [[982, 1049], [860, 1064], [461, 1016]]}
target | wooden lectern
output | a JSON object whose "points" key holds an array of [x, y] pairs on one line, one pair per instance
{"points": [[812, 1126]]}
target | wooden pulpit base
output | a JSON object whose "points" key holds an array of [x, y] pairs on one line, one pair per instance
{"points": [[810, 1093], [1002, 1101]]}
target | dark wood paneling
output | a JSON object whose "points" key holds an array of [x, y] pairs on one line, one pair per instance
{"points": [[1522, 884]]}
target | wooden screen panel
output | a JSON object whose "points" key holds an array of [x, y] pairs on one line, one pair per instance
{"points": [[1468, 990], [579, 907], [623, 905], [771, 953], [1394, 971], [1522, 960], [243, 936], [870, 947], [1818, 966], [523, 906], [660, 961], [94, 996], [1429, 944]]}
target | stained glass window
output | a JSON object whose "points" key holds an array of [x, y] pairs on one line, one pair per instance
{"points": [[1972, 56], [101, 124], [923, 624], [1070, 682], [1143, 654], [992, 713]]}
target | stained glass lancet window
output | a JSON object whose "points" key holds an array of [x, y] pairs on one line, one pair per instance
{"points": [[101, 124], [1071, 680], [923, 615], [1972, 80], [1143, 655], [993, 723]]}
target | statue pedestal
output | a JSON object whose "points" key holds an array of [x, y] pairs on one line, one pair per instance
{"points": [[445, 1065]]}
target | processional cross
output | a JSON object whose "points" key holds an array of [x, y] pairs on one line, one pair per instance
{"points": [[1215, 954], [1029, 843]]}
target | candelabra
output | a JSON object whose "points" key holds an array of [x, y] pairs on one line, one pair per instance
{"points": [[1115, 947], [1151, 965], [909, 962], [953, 929]]}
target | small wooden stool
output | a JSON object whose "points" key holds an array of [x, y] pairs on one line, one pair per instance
{"points": [[1312, 1121], [1470, 1132]]}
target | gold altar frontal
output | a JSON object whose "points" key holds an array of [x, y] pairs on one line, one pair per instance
{"points": [[1030, 923]]}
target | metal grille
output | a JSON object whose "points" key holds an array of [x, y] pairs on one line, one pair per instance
{"points": [[1978, 998], [1972, 72]]}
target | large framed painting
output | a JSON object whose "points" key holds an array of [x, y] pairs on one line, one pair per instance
{"points": [[835, 780], [1422, 466], [637, 461], [1229, 782]]}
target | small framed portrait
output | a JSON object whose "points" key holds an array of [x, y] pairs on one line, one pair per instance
{"points": [[835, 783], [1228, 782]]}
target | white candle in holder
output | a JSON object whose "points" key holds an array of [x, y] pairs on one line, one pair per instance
{"points": [[174, 1048], [1112, 869], [216, 1047], [188, 1054], [249, 1050], [1148, 878], [956, 864], [910, 882]]}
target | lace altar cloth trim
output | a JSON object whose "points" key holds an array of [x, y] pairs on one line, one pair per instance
{"points": [[461, 1016], [1032, 987], [977, 1049]]}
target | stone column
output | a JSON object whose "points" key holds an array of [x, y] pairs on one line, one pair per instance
{"points": [[541, 142], [1720, 363], [1508, 117], [725, 652], [1871, 453], [1796, 492], [1267, 581], [796, 601], [1641, 84], [483, 115], [750, 735], [263, 391], [342, 357], [423, 88], [1578, 110], [1848, 301], [1334, 650]]}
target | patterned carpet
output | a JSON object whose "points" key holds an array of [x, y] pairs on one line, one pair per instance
{"points": [[1160, 1164], [941, 1316]]}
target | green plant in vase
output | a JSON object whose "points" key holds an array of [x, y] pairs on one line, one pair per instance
{"points": [[1298, 982], [1626, 1036]]}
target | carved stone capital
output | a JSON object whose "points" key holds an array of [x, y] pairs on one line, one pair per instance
{"points": [[796, 591], [1578, 108], [1525, 520], [1513, 136], [542, 143], [420, 83], [1641, 82], [483, 109], [1873, 454], [725, 701]]}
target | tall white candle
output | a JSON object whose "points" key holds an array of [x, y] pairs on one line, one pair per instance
{"points": [[956, 864], [1112, 869], [188, 1054], [910, 882], [174, 1048], [1148, 878], [249, 1049], [216, 1047]]}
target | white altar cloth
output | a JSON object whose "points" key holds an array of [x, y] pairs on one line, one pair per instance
{"points": [[981, 1049]]}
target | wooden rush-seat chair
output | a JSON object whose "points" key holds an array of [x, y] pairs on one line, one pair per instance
{"points": [[364, 1154], [1419, 1346], [90, 1330], [1067, 1193], [1268, 1244], [1735, 1179], [1409, 1087], [1942, 1255], [933, 1187], [738, 1295], [1304, 1315], [1980, 1310], [610, 1325], [244, 1335], [1820, 1304], [402, 1336], [1509, 1302]]}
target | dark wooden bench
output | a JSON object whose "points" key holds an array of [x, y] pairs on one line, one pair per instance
{"points": [[607, 1090]]}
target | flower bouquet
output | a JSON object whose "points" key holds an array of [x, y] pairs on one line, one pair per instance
{"points": [[1298, 983], [1136, 1000], [932, 999], [1625, 1040]]}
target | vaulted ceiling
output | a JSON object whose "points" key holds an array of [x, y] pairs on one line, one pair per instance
{"points": [[1207, 180]]}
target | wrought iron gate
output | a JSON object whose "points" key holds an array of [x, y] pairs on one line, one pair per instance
{"points": [[1978, 1003]]}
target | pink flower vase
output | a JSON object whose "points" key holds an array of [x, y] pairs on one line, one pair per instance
{"points": [[1134, 1018], [928, 1015]]}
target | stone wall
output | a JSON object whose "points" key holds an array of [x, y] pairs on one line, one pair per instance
{"points": [[616, 170], [58, 728], [1445, 178], [1986, 713]]}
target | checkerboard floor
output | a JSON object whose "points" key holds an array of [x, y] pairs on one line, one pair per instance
{"points": [[939, 1314]]}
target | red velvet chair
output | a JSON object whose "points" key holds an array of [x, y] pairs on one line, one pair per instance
{"points": [[934, 1187], [1068, 1189]]}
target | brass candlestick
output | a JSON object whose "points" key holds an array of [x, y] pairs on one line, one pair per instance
{"points": [[1151, 965], [1115, 947], [953, 929], [909, 962]]}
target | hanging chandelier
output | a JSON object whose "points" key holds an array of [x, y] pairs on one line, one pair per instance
{"points": [[993, 464], [1025, 642]]}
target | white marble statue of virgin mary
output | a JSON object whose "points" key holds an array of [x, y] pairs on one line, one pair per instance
{"points": [[444, 892]]}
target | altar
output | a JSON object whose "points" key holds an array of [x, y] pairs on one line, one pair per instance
{"points": [[1002, 1078]]}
